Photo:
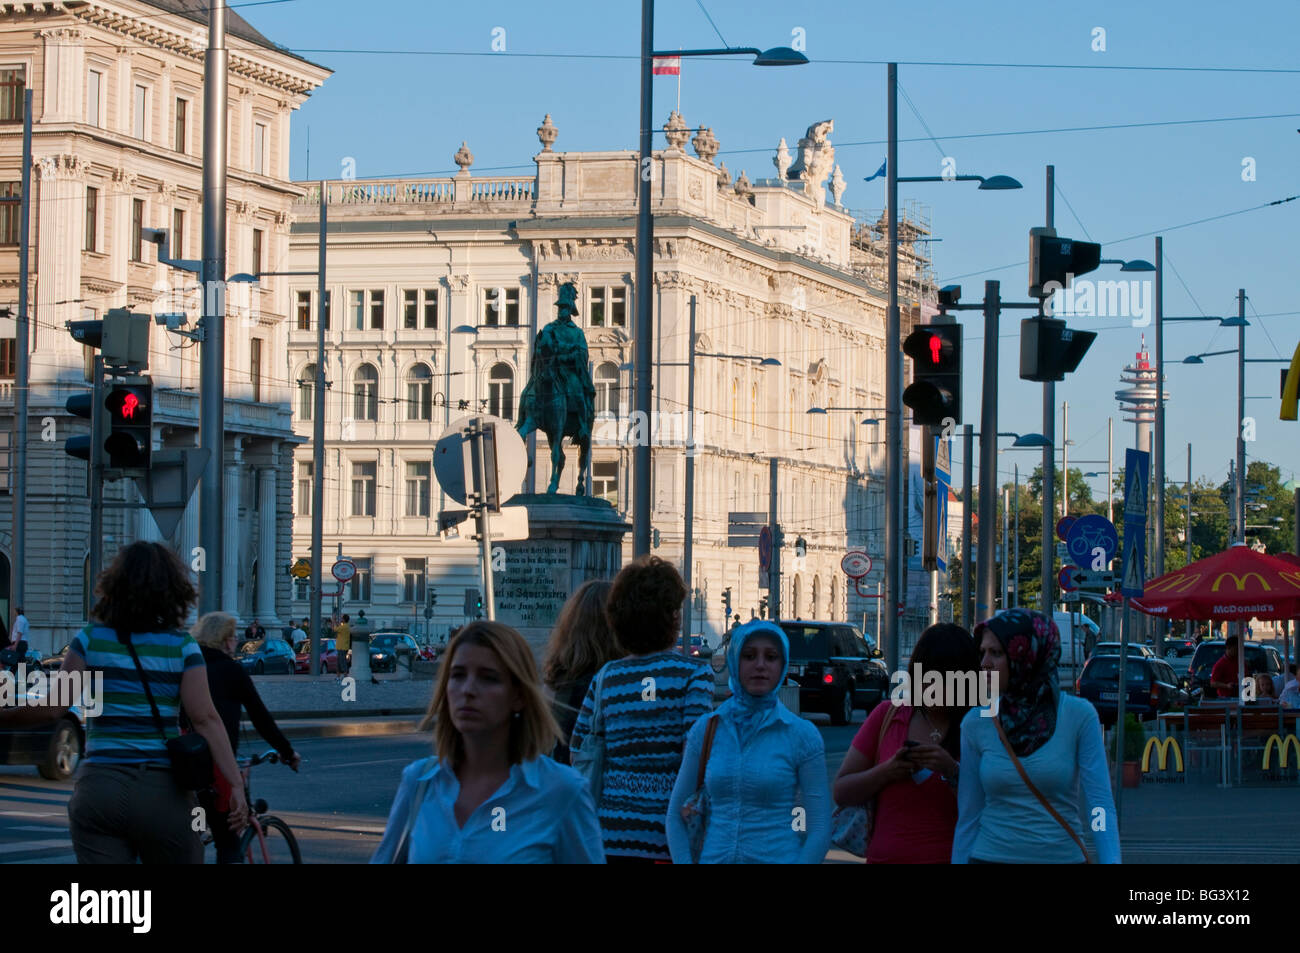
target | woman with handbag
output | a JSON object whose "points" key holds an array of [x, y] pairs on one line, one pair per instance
{"points": [[630, 734], [1037, 762], [752, 787], [581, 643], [135, 792], [489, 794], [902, 766]]}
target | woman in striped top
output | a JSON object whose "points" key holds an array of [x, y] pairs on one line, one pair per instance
{"points": [[643, 706]]}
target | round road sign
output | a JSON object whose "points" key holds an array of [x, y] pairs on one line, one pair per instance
{"points": [[301, 569], [765, 548], [1063, 527], [1088, 534], [344, 570], [1063, 577], [855, 564]]}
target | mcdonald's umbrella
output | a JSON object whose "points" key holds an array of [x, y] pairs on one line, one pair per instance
{"points": [[1235, 585]]}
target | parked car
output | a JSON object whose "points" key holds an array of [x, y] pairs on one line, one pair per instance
{"points": [[1152, 687], [1259, 658], [402, 645], [1179, 646], [836, 667], [1112, 648], [266, 657], [328, 654], [382, 659], [54, 747]]}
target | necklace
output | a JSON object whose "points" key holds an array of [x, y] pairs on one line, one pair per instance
{"points": [[935, 734]]}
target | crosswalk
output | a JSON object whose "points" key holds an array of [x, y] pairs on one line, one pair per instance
{"points": [[34, 821]]}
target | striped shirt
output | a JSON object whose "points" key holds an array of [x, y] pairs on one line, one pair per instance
{"points": [[125, 732], [647, 707]]}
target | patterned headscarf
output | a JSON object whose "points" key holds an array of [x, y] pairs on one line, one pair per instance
{"points": [[1027, 706]]}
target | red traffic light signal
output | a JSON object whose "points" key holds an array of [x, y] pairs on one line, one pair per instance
{"points": [[935, 392], [129, 443]]}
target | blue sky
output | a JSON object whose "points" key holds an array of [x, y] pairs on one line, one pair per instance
{"points": [[407, 114]]}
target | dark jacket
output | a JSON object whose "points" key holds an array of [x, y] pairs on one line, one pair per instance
{"points": [[231, 690], [565, 707]]}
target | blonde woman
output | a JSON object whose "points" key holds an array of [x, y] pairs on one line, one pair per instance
{"points": [[232, 690], [489, 794], [581, 643]]}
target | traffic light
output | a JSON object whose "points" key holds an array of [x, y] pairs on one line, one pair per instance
{"points": [[726, 603], [129, 444], [935, 392], [800, 548], [1054, 261], [654, 537], [122, 337], [762, 607], [433, 598], [81, 405], [1049, 350], [473, 603]]}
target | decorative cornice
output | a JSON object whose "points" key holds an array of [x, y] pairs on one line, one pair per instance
{"points": [[62, 166]]}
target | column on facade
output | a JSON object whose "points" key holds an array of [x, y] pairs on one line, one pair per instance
{"points": [[230, 534], [267, 571]]}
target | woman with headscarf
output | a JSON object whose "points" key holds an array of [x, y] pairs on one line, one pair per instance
{"points": [[1034, 763], [769, 801]]}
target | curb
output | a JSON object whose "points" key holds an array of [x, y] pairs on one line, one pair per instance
{"points": [[344, 729]]}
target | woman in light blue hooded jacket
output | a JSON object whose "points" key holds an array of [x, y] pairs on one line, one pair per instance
{"points": [[766, 776]]}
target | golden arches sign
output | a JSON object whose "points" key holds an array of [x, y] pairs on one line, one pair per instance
{"points": [[1175, 582], [1162, 747], [1240, 581], [1291, 577], [1291, 740]]}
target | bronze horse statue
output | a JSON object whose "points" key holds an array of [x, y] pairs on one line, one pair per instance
{"points": [[560, 398]]}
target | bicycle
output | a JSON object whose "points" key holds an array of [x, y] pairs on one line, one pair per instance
{"points": [[267, 839]]}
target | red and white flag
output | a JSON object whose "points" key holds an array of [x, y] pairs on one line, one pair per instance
{"points": [[667, 66]]}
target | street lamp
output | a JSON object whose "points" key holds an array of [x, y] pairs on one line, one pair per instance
{"points": [[644, 352]]}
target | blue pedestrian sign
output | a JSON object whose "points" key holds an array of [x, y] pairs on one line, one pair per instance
{"points": [[1133, 578], [1088, 534], [1137, 474], [1137, 477]]}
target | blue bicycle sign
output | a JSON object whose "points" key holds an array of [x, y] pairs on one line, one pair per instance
{"points": [[1089, 534]]}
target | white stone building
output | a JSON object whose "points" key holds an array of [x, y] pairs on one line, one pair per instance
{"points": [[117, 145], [438, 287]]}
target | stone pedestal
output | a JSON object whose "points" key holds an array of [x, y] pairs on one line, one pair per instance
{"points": [[571, 539]]}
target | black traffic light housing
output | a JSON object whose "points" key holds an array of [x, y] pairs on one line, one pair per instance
{"points": [[80, 405], [1049, 350], [726, 603], [1054, 261], [129, 444], [800, 548], [935, 392]]}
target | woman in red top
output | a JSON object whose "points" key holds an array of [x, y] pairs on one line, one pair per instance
{"points": [[906, 758]]}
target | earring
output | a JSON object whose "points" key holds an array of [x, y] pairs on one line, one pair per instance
{"points": [[518, 715]]}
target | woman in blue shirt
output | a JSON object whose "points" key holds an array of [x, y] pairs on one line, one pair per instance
{"points": [[769, 798], [489, 795], [1058, 743]]}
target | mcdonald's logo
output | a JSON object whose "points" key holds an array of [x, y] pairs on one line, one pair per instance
{"points": [[1240, 581], [1176, 582], [1162, 747], [1281, 747], [1291, 577]]}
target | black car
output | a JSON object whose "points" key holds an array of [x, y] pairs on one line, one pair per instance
{"points": [[1152, 687], [836, 668], [267, 657], [1259, 658], [400, 645], [55, 747]]}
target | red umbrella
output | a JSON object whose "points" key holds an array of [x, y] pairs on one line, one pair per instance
{"points": [[1236, 585]]}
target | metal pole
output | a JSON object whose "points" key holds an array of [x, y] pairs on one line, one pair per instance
{"points": [[893, 396], [1158, 458], [1120, 712], [1006, 542], [1065, 459], [984, 602], [482, 516], [644, 293], [1049, 451], [1016, 575], [1241, 416], [22, 370], [96, 473], [1188, 525], [1110, 467], [212, 359], [688, 539], [774, 577], [318, 446], [968, 497]]}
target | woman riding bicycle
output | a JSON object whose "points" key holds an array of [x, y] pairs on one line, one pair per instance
{"points": [[232, 689]]}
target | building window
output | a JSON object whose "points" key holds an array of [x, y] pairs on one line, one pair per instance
{"points": [[363, 488], [357, 307], [501, 306], [413, 576], [11, 212], [137, 224], [607, 389], [92, 218], [304, 310], [501, 391], [140, 123], [178, 233], [8, 357], [417, 488], [608, 307], [179, 132], [307, 393], [376, 310], [259, 148], [94, 84], [419, 393], [257, 250], [359, 591], [604, 480], [305, 473], [357, 304], [410, 309], [255, 368], [430, 308], [365, 404], [13, 83]]}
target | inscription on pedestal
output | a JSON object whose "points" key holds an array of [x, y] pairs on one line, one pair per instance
{"points": [[532, 590]]}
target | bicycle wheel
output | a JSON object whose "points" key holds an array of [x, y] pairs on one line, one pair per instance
{"points": [[277, 844]]}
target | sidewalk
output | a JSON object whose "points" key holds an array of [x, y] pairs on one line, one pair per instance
{"points": [[325, 696], [297, 729]]}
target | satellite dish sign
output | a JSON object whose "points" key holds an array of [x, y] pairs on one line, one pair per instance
{"points": [[451, 458]]}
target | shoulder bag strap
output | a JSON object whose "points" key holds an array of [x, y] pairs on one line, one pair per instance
{"points": [[708, 749], [598, 706], [403, 852], [157, 718], [884, 726], [1002, 736]]}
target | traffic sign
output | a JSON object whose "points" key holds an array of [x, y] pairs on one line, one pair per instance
{"points": [[765, 549], [1137, 474], [1089, 533], [744, 529], [1063, 527], [451, 459], [1135, 559], [301, 569], [1091, 579], [1066, 578], [344, 570], [856, 564]]}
